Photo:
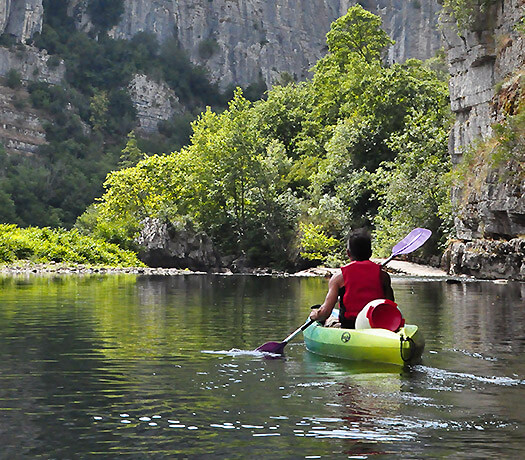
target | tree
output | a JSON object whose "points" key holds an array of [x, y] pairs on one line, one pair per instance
{"points": [[99, 110], [412, 189], [357, 36], [13, 79], [131, 154], [355, 46], [105, 13]]}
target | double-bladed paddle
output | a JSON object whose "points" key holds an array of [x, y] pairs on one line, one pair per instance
{"points": [[414, 240]]}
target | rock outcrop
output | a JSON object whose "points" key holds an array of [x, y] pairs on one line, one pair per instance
{"points": [[21, 127], [32, 64], [478, 59], [490, 221], [169, 246], [239, 42], [153, 101], [21, 18], [489, 259]]}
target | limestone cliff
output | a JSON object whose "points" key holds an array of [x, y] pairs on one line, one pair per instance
{"points": [[486, 86], [240, 41], [21, 127], [21, 18]]}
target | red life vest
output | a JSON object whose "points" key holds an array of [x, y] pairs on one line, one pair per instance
{"points": [[362, 280]]}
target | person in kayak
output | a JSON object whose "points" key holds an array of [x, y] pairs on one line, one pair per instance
{"points": [[358, 283]]}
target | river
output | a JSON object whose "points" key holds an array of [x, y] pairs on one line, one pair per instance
{"points": [[127, 366]]}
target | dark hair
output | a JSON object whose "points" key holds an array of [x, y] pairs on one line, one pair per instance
{"points": [[359, 244]]}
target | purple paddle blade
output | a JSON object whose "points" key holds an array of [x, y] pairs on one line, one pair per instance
{"points": [[414, 240], [272, 347]]}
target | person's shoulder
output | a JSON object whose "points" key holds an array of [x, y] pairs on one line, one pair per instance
{"points": [[337, 278], [384, 274]]}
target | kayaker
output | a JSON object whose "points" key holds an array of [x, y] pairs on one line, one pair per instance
{"points": [[358, 283]]}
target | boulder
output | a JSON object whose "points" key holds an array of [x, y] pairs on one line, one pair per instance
{"points": [[169, 245], [488, 259]]}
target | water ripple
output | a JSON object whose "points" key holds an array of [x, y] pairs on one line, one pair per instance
{"points": [[444, 375]]}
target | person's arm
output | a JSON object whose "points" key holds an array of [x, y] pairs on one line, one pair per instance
{"points": [[335, 283], [387, 286]]}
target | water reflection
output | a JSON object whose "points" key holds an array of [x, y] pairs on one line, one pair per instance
{"points": [[163, 367]]}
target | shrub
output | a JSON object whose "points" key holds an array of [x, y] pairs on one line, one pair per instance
{"points": [[13, 79], [315, 244], [59, 245]]}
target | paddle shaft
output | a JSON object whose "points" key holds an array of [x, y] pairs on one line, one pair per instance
{"points": [[388, 260], [302, 328]]}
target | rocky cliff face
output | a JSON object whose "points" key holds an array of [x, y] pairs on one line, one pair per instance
{"points": [[21, 129], [241, 41], [490, 222], [21, 18], [169, 246], [478, 59], [153, 101]]}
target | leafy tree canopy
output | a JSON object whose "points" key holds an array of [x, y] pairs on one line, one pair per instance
{"points": [[362, 143]]}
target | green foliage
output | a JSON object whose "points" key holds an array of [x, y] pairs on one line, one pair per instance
{"points": [[438, 65], [7, 40], [131, 154], [207, 48], [467, 12], [105, 13], [413, 190], [315, 244], [91, 113], [360, 144], [99, 110], [520, 26], [43, 245], [355, 43], [357, 34], [13, 79], [227, 182]]}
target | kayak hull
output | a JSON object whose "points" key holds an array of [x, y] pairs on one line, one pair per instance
{"points": [[376, 345]]}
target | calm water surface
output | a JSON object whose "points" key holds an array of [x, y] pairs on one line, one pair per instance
{"points": [[160, 367]]}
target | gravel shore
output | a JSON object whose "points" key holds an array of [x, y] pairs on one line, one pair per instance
{"points": [[26, 267], [395, 267]]}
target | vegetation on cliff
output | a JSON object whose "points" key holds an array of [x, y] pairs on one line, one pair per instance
{"points": [[91, 114], [467, 12], [362, 143], [500, 156]]}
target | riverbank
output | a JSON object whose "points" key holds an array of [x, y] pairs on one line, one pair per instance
{"points": [[395, 267]]}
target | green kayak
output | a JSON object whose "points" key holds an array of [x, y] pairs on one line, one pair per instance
{"points": [[377, 345]]}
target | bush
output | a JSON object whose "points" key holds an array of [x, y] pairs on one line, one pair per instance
{"points": [[315, 244], [207, 48], [43, 245], [13, 79]]}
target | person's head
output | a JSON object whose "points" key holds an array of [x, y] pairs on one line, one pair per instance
{"points": [[359, 245]]}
